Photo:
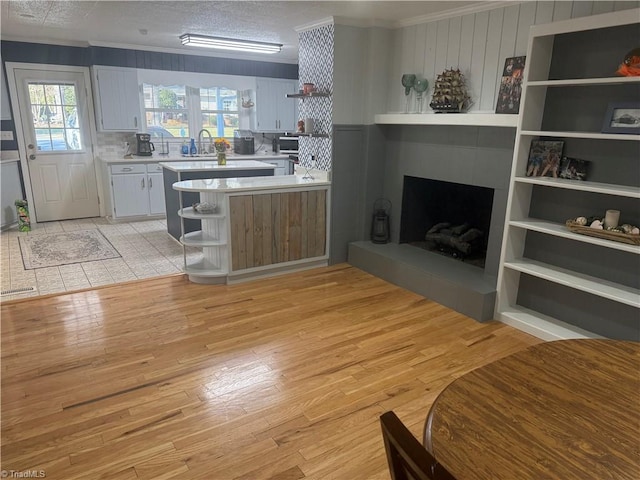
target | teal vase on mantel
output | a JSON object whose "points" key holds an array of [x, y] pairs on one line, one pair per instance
{"points": [[420, 86]]}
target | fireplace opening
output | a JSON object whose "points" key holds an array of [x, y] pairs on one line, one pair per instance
{"points": [[448, 218]]}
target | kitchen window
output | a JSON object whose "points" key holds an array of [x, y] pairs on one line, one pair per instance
{"points": [[219, 111], [182, 111]]}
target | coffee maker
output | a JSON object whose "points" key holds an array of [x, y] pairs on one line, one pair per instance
{"points": [[243, 142], [144, 146]]}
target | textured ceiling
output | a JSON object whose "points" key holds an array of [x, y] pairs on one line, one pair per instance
{"points": [[158, 24]]}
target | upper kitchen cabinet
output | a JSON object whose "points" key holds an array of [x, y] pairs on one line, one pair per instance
{"points": [[274, 112], [116, 98]]}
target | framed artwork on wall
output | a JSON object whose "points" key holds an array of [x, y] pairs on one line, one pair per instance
{"points": [[622, 117], [511, 85]]}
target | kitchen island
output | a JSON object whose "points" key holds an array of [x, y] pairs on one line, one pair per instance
{"points": [[173, 172], [133, 185], [261, 226]]}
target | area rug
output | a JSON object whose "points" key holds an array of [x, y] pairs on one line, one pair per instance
{"points": [[55, 249]]}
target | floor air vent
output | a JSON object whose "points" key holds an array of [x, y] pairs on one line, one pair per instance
{"points": [[14, 291]]}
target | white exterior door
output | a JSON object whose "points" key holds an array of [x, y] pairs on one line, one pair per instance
{"points": [[55, 124]]}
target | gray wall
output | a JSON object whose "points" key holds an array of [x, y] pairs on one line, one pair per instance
{"points": [[348, 183], [358, 180]]}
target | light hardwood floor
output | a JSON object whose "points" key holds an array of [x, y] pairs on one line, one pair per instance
{"points": [[282, 378]]}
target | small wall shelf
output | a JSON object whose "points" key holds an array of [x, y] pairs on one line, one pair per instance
{"points": [[462, 119], [308, 95], [314, 135]]}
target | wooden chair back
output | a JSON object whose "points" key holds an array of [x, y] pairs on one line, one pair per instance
{"points": [[408, 459]]}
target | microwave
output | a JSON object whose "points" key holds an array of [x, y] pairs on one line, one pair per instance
{"points": [[288, 144]]}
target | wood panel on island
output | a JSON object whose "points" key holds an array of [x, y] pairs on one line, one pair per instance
{"points": [[257, 226]]}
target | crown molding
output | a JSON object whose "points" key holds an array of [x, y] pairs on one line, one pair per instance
{"points": [[313, 25], [456, 12], [45, 41], [361, 22]]}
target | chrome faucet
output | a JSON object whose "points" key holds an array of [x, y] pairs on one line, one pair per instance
{"points": [[204, 130]]}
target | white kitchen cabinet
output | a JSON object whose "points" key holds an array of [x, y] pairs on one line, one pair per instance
{"points": [[283, 165], [116, 99], [137, 190], [274, 113], [130, 195], [552, 282], [156, 189]]}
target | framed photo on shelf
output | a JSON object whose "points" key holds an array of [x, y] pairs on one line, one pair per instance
{"points": [[544, 158], [622, 117], [511, 85], [573, 168]]}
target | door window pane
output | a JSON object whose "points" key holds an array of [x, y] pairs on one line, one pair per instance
{"points": [[55, 116]]}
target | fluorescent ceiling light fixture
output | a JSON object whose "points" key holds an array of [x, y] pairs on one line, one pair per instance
{"points": [[229, 43]]}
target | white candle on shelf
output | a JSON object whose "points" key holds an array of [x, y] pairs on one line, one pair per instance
{"points": [[611, 218]]}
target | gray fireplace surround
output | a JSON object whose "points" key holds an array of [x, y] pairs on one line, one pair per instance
{"points": [[478, 156]]}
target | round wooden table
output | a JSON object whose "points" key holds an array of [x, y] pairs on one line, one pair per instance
{"points": [[568, 410]]}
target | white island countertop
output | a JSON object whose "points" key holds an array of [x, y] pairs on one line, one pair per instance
{"points": [[248, 184], [174, 157], [212, 165]]}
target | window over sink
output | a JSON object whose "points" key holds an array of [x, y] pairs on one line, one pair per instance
{"points": [[182, 111]]}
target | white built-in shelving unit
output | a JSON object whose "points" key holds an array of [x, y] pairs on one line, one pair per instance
{"points": [[580, 268]]}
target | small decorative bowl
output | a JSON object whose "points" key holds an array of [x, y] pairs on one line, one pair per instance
{"points": [[204, 207]]}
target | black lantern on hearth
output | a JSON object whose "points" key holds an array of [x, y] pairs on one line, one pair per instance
{"points": [[380, 224]]}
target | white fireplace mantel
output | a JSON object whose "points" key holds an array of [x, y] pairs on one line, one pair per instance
{"points": [[461, 119]]}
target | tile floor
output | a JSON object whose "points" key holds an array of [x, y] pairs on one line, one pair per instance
{"points": [[146, 250]]}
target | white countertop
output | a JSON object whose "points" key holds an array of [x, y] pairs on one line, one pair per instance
{"points": [[231, 185], [174, 157], [212, 165]]}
